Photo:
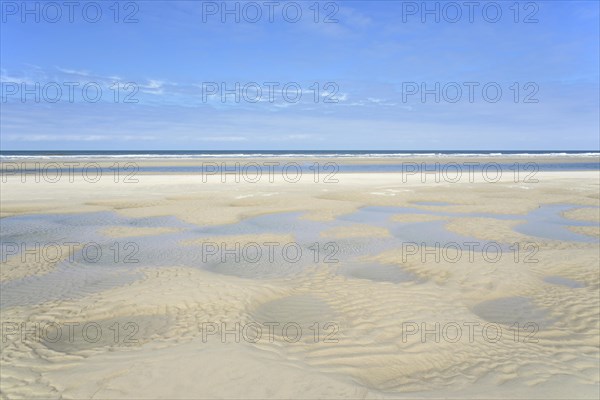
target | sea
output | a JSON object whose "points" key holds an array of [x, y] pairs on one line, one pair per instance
{"points": [[570, 160]]}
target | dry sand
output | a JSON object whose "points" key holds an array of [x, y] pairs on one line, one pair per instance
{"points": [[374, 347]]}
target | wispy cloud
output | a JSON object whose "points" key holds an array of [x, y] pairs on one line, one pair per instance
{"points": [[73, 71]]}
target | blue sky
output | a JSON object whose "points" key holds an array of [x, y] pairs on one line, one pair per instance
{"points": [[370, 61]]}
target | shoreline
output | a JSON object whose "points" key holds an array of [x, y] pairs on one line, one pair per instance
{"points": [[351, 160], [251, 169]]}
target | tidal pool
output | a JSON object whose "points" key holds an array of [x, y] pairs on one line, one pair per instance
{"points": [[102, 262]]}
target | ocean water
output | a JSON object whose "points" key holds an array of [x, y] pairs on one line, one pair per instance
{"points": [[6, 154], [573, 160]]}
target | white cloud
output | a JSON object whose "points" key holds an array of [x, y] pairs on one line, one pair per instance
{"points": [[153, 87], [222, 139], [49, 138], [73, 71]]}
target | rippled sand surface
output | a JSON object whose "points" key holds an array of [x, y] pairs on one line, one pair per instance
{"points": [[371, 287]]}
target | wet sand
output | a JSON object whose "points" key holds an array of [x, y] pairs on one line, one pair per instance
{"points": [[394, 295]]}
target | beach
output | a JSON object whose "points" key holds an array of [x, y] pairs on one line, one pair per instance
{"points": [[273, 277]]}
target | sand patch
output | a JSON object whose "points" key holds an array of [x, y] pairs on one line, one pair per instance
{"points": [[593, 231], [241, 239], [355, 231], [411, 218], [302, 310], [590, 214], [41, 262], [130, 231], [511, 310], [117, 332], [379, 273], [489, 229]]}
